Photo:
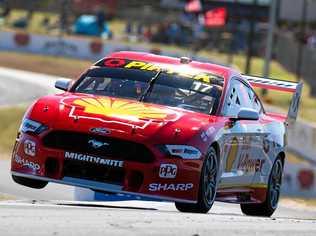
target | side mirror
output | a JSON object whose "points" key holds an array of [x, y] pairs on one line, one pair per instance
{"points": [[247, 114], [63, 84]]}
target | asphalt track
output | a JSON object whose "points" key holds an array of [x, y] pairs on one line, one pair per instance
{"points": [[141, 218], [52, 212], [21, 87]]}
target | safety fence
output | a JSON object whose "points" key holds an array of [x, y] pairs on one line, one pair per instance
{"points": [[72, 46], [287, 54], [302, 140], [299, 180]]}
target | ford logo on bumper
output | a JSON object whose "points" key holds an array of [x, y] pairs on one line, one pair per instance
{"points": [[97, 144]]}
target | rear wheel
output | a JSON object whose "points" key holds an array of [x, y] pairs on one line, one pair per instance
{"points": [[207, 189], [268, 207], [32, 183]]}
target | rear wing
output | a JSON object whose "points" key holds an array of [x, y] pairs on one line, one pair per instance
{"points": [[280, 85]]}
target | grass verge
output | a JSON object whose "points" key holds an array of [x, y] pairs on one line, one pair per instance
{"points": [[5, 197], [64, 67], [10, 122], [304, 203]]}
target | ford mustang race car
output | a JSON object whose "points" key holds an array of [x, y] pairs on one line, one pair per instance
{"points": [[160, 127]]}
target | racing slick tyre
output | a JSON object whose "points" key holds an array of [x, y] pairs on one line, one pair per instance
{"points": [[208, 186], [268, 207], [32, 183]]}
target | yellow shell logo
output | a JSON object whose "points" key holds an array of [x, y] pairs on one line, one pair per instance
{"points": [[232, 155], [119, 108]]}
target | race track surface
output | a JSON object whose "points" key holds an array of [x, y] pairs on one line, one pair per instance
{"points": [[20, 87], [144, 218], [51, 211]]}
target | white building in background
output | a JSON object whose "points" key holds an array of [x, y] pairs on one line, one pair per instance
{"points": [[292, 10]]}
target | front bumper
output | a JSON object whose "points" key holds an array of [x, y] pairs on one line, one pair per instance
{"points": [[31, 159]]}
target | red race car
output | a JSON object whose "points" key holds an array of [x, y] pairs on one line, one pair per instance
{"points": [[161, 127]]}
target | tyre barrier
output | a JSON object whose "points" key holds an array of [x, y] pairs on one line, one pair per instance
{"points": [[299, 180]]}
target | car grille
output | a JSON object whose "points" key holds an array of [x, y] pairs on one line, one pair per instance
{"points": [[89, 171], [114, 148]]}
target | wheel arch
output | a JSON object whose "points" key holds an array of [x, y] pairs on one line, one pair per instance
{"points": [[282, 156], [216, 146]]}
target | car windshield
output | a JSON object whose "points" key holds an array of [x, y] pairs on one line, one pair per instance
{"points": [[169, 89]]}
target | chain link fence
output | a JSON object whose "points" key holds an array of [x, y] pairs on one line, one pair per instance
{"points": [[287, 53]]}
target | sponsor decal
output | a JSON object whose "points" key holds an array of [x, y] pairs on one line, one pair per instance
{"points": [[306, 179], [232, 154], [93, 159], [96, 46], [192, 73], [250, 165], [29, 148], [114, 63], [100, 130], [121, 109], [97, 144], [153, 187], [206, 78], [247, 143], [117, 108], [122, 112], [205, 135], [61, 45], [168, 171], [22, 39], [266, 146], [26, 163], [295, 102]]}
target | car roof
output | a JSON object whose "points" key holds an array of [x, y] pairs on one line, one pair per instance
{"points": [[222, 71]]}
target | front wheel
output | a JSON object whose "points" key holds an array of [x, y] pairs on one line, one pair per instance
{"points": [[207, 189], [268, 207]]}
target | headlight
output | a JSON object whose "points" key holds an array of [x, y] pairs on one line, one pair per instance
{"points": [[183, 151], [31, 126]]}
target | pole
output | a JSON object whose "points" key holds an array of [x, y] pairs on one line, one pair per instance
{"points": [[299, 62], [230, 58], [251, 36], [269, 46]]}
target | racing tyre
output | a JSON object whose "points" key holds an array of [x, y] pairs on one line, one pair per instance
{"points": [[32, 183], [268, 207], [208, 186]]}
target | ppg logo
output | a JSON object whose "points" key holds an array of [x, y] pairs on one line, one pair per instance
{"points": [[30, 148], [168, 171]]}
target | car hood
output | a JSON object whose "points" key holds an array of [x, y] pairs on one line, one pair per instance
{"points": [[124, 118]]}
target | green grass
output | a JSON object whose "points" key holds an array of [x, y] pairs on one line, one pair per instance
{"points": [[309, 203], [5, 197], [10, 121], [35, 24], [52, 65]]}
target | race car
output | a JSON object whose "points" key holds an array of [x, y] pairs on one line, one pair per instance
{"points": [[167, 128]]}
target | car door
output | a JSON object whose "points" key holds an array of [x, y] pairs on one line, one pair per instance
{"points": [[253, 158], [240, 139], [265, 146]]}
